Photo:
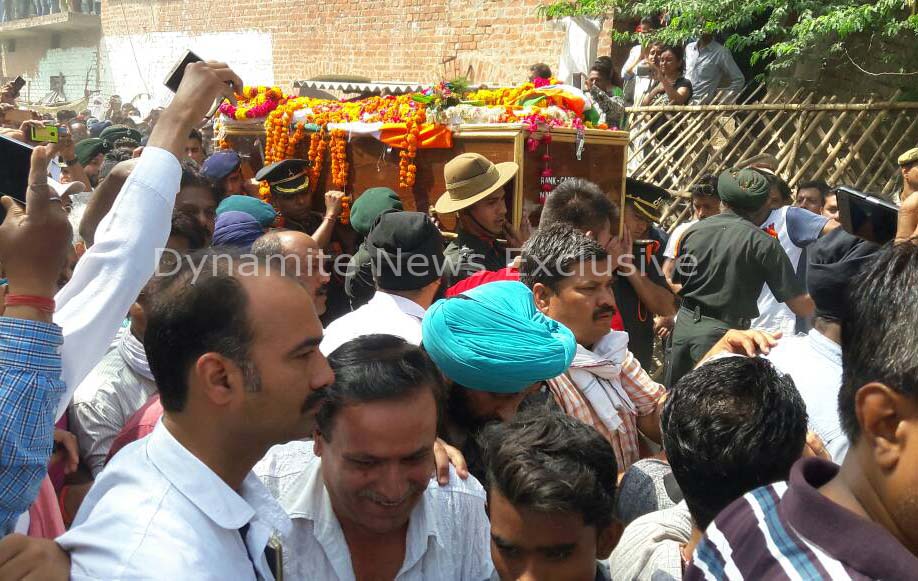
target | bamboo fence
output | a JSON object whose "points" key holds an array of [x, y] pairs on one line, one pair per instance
{"points": [[813, 138]]}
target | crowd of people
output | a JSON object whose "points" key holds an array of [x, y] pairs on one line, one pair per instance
{"points": [[191, 391], [18, 9]]}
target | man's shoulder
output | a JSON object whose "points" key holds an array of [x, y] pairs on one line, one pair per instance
{"points": [[736, 536], [792, 347], [131, 509], [455, 503], [721, 225], [287, 470], [105, 379]]}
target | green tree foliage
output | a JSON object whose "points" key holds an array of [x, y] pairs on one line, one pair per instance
{"points": [[776, 32]]}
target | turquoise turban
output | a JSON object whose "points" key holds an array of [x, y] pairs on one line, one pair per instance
{"points": [[263, 212], [492, 338]]}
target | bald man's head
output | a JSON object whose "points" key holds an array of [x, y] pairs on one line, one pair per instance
{"points": [[302, 258]]}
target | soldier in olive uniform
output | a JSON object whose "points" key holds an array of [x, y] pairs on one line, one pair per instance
{"points": [[477, 190], [722, 263]]}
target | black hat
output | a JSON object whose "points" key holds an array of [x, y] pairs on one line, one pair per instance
{"points": [[286, 178], [406, 250], [832, 262], [646, 198]]}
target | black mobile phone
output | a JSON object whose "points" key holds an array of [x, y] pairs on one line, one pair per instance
{"points": [[19, 83], [14, 171], [174, 79], [867, 216]]}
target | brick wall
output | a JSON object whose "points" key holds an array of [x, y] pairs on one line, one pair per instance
{"points": [[406, 40]]}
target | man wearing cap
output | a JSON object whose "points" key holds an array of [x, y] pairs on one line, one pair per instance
{"points": [[289, 181], [495, 348], [223, 169], [90, 153], [722, 264], [814, 361], [643, 292], [121, 137], [406, 256], [908, 165], [477, 190], [358, 280]]}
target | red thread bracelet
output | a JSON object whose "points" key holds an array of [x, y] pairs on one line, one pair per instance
{"points": [[43, 304]]}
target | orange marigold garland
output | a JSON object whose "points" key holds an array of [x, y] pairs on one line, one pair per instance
{"points": [[339, 165], [407, 170], [317, 148]]}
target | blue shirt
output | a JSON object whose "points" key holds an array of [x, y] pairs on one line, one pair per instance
{"points": [[30, 373]]}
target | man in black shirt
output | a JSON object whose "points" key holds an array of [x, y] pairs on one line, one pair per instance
{"points": [[641, 292]]}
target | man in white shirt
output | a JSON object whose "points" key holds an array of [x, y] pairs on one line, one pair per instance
{"points": [[814, 361], [233, 346], [795, 229], [581, 41], [707, 64], [234, 351], [406, 254], [361, 498]]}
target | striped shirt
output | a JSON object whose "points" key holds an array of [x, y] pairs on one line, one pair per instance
{"points": [[790, 530], [645, 395], [30, 373]]}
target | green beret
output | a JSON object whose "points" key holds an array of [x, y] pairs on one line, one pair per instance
{"points": [[89, 148], [909, 157], [370, 204], [745, 189], [118, 132]]}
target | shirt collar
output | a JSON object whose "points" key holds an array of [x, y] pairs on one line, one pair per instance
{"points": [[407, 306], [825, 346], [861, 544], [201, 485]]}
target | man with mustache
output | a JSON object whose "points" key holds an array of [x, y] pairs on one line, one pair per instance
{"points": [[572, 279], [235, 356], [361, 496]]}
